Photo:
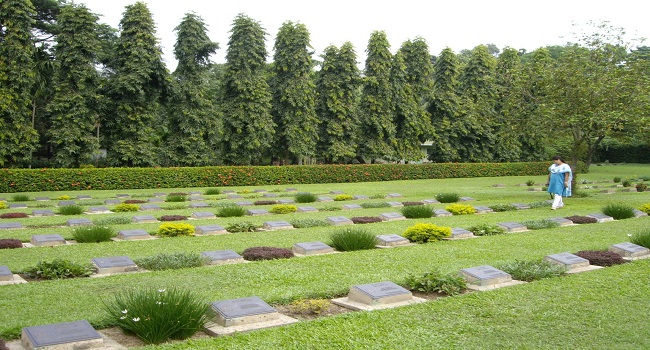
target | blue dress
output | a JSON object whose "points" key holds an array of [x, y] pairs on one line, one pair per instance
{"points": [[556, 182]]}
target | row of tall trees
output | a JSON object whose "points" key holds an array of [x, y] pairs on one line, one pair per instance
{"points": [[71, 87]]}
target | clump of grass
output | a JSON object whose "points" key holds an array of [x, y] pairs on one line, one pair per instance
{"points": [[532, 270], [423, 233], [540, 224], [244, 226], [601, 257], [175, 198], [378, 196], [212, 191], [266, 253], [10, 243], [530, 183], [437, 282], [175, 206], [350, 239], [374, 205], [617, 179], [125, 207], [417, 211], [447, 197], [330, 208], [231, 211], [641, 238], [70, 210], [171, 261], [59, 269], [305, 197], [503, 207], [304, 223], [158, 315], [117, 220], [540, 204], [619, 211], [93, 234], [487, 230], [20, 198]]}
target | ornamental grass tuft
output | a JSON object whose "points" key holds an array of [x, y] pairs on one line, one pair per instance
{"points": [[231, 211], [212, 191], [619, 211], [641, 238], [532, 270], [20, 198], [540, 224], [305, 197], [70, 210], [93, 234], [350, 239], [171, 261], [59, 269], [417, 211], [447, 197]]}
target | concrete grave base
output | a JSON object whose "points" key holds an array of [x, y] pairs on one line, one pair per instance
{"points": [[100, 275], [108, 344], [357, 306], [396, 245], [15, 279], [626, 258], [217, 330], [494, 286], [69, 335], [584, 269]]}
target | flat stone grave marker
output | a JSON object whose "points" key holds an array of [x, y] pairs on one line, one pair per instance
{"points": [[630, 250], [601, 217], [122, 195], [270, 195], [571, 261], [395, 204], [79, 222], [69, 335], [499, 185], [430, 201], [129, 235], [306, 209], [41, 199], [194, 193], [199, 205], [360, 196], [114, 264], [18, 206], [459, 233], [562, 221], [485, 275], [352, 206], [286, 201], [337, 192], [441, 213], [234, 196], [291, 189], [521, 206], [339, 220], [210, 230], [144, 219], [392, 216], [465, 199], [203, 215], [483, 209], [234, 312], [155, 200], [261, 190], [608, 191], [98, 210], [195, 198], [535, 189], [42, 212], [10, 225], [513, 226], [6, 274], [391, 240], [312, 248], [82, 197], [64, 203], [394, 195], [220, 257], [160, 194], [629, 189], [638, 213], [244, 203], [150, 207], [228, 192], [257, 212], [324, 199], [47, 240], [112, 201], [276, 225], [380, 293]]}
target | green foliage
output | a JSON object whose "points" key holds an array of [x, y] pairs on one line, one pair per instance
{"points": [[487, 230], [437, 282], [619, 211], [374, 205], [113, 220], [212, 191], [59, 269], [343, 197], [350, 239], [3, 205], [503, 207], [244, 226], [644, 208], [641, 187], [641, 238], [157, 316], [330, 208], [305, 197], [173, 229], [19, 198], [283, 209], [626, 183], [540, 224], [170, 261], [93, 234], [70, 210], [447, 197], [460, 209], [536, 205], [124, 207], [231, 211], [310, 306], [532, 270], [64, 197], [530, 183], [617, 179], [417, 211], [304, 223], [175, 198], [423, 233]]}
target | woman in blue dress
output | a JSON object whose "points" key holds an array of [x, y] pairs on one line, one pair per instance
{"points": [[559, 181]]}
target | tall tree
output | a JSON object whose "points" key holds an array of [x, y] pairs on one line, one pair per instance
{"points": [[17, 136], [294, 94], [337, 85], [377, 127], [74, 113], [248, 124], [507, 126], [139, 82], [194, 123]]}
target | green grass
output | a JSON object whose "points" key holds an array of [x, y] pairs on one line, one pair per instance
{"points": [[93, 234], [417, 211], [350, 239], [642, 238], [70, 210]]}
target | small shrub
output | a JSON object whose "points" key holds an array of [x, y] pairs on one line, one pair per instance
{"points": [[156, 316], [343, 197], [175, 230], [540, 224], [134, 201], [410, 204], [365, 219], [13, 215], [503, 207], [350, 239], [283, 209], [448, 197], [423, 233], [59, 269], [304, 223], [626, 183], [436, 282], [265, 202], [232, 211], [245, 226], [487, 230], [532, 270], [266, 253], [530, 183], [64, 197], [10, 243], [617, 179], [374, 205], [19, 198], [378, 196], [619, 211], [173, 218], [536, 205], [117, 220], [645, 208], [171, 261], [3, 205], [601, 258], [641, 187], [93, 234], [460, 209], [330, 208], [70, 210], [175, 198], [576, 219], [310, 306], [124, 207], [212, 191], [641, 238], [644, 178], [305, 197], [417, 211]]}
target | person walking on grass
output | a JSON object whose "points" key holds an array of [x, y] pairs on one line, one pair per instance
{"points": [[559, 181]]}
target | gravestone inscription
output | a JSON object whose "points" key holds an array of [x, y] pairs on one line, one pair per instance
{"points": [[69, 335]]}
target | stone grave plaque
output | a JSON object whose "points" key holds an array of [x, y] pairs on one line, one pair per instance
{"points": [[276, 225], [209, 230], [194, 193], [324, 199], [160, 194], [337, 192], [244, 203], [79, 222], [155, 200], [394, 195], [629, 250], [144, 219], [441, 213], [352, 206], [291, 189], [535, 189], [129, 235], [122, 195], [601, 217], [150, 207], [483, 209], [513, 226], [6, 274], [458, 232], [521, 206], [395, 204], [638, 213], [98, 210], [199, 205], [3, 199], [114, 264], [261, 190], [203, 215], [360, 196], [567, 259], [218, 257], [499, 185], [69, 335], [629, 189], [64, 203], [465, 199], [391, 240], [286, 201], [257, 212], [306, 209], [380, 293], [312, 248], [430, 201], [562, 221], [339, 220], [47, 240], [18, 206], [234, 196], [270, 195], [112, 201], [195, 198], [82, 197], [42, 212], [41, 199], [10, 225], [235, 312], [228, 192], [485, 275], [392, 216], [608, 191]]}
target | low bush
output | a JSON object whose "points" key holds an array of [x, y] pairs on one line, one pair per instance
{"points": [[641, 187], [410, 204], [175, 198], [641, 238], [19, 198], [93, 234], [330, 208], [232, 211], [530, 183], [365, 219], [460, 209], [10, 243], [70, 210], [540, 204], [244, 226], [3, 205], [134, 201], [305, 197], [265, 202], [503, 207], [644, 178], [532, 270], [116, 220], [436, 282], [487, 230], [423, 233], [304, 223], [13, 215], [374, 205], [601, 257], [540, 224], [173, 218], [378, 196], [266, 253], [171, 261], [59, 269], [619, 211], [124, 207], [448, 197], [645, 208], [175, 230], [576, 219], [212, 191], [617, 179], [156, 316], [417, 211], [350, 239], [310, 306], [283, 209], [343, 197], [64, 197], [626, 183]]}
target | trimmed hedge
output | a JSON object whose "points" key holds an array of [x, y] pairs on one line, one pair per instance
{"points": [[31, 180]]}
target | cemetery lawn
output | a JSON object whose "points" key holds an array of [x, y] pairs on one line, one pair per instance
{"points": [[606, 308]]}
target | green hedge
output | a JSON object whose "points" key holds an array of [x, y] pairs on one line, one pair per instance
{"points": [[31, 180]]}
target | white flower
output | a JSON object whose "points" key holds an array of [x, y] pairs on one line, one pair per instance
{"points": [[123, 317], [159, 302], [161, 290], [124, 311], [136, 319], [629, 235]]}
